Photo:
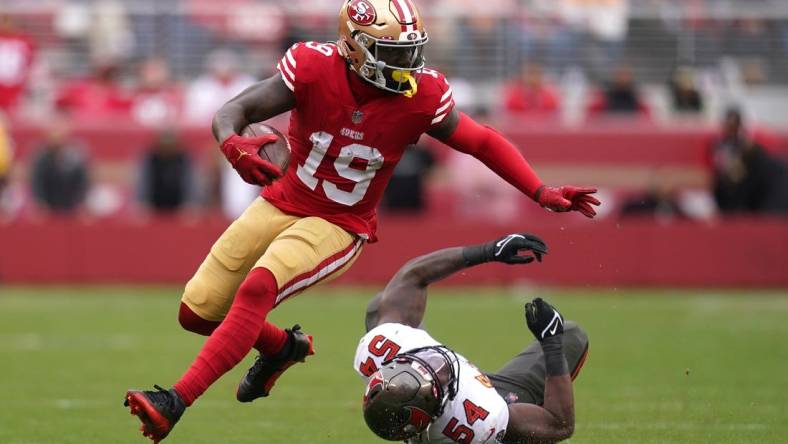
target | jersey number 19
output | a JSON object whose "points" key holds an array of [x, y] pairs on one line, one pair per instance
{"points": [[321, 141]]}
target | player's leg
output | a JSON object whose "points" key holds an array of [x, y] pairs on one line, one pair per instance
{"points": [[309, 250], [209, 293], [522, 379], [206, 300]]}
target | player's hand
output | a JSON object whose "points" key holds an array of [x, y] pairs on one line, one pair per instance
{"points": [[522, 248], [568, 198], [543, 319], [242, 153]]}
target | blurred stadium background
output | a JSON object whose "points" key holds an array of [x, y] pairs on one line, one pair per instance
{"points": [[676, 110]]}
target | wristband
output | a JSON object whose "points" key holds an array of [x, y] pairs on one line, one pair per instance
{"points": [[474, 255], [554, 359], [538, 193]]}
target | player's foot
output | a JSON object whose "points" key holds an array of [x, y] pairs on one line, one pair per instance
{"points": [[158, 410], [266, 370]]}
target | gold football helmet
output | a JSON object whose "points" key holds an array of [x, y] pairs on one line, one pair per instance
{"points": [[383, 41]]}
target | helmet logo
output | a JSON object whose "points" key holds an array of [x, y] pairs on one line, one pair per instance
{"points": [[374, 381], [419, 419], [362, 12]]}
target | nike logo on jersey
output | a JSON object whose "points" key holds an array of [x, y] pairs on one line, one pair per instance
{"points": [[505, 241], [553, 325], [353, 134]]}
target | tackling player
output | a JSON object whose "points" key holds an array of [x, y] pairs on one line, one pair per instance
{"points": [[356, 105], [421, 391]]}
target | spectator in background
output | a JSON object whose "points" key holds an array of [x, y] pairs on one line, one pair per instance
{"points": [[685, 94], [102, 27], [406, 192], [603, 27], [99, 96], [16, 59], [236, 195], [530, 94], [620, 97], [166, 175], [59, 172], [747, 179], [222, 80], [157, 100], [6, 157], [660, 202]]}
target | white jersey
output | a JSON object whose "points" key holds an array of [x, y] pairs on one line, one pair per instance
{"points": [[477, 415]]}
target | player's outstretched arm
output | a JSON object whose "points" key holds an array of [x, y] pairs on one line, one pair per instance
{"points": [[555, 419], [465, 135], [404, 299]]}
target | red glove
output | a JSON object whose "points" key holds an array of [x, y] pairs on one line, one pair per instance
{"points": [[242, 152], [567, 198]]}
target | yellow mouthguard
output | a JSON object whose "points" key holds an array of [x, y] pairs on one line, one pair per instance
{"points": [[401, 76]]}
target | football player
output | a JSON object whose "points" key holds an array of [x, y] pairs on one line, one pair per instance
{"points": [[355, 106], [419, 390]]}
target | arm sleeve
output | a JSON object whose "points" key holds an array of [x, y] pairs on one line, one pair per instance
{"points": [[497, 153]]}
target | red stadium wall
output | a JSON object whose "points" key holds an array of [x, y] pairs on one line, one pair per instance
{"points": [[632, 142], [737, 253], [606, 252]]}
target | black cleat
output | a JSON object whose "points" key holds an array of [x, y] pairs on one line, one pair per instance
{"points": [[158, 410], [266, 370]]}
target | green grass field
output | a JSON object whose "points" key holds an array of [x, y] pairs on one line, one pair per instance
{"points": [[664, 367]]}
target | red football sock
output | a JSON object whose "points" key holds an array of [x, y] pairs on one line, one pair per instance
{"points": [[192, 322], [271, 339], [233, 339]]}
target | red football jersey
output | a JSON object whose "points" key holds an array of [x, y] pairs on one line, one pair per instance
{"points": [[16, 54], [344, 152]]}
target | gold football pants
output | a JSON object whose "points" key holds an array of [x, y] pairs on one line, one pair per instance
{"points": [[299, 251]]}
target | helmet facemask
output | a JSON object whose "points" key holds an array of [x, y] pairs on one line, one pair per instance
{"points": [[390, 65], [383, 42]]}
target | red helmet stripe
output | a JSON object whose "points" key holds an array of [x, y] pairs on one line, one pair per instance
{"points": [[410, 16], [400, 13], [406, 14]]}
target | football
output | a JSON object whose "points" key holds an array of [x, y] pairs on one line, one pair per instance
{"points": [[278, 153]]}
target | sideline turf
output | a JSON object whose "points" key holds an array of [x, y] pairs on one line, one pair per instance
{"points": [[665, 367]]}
